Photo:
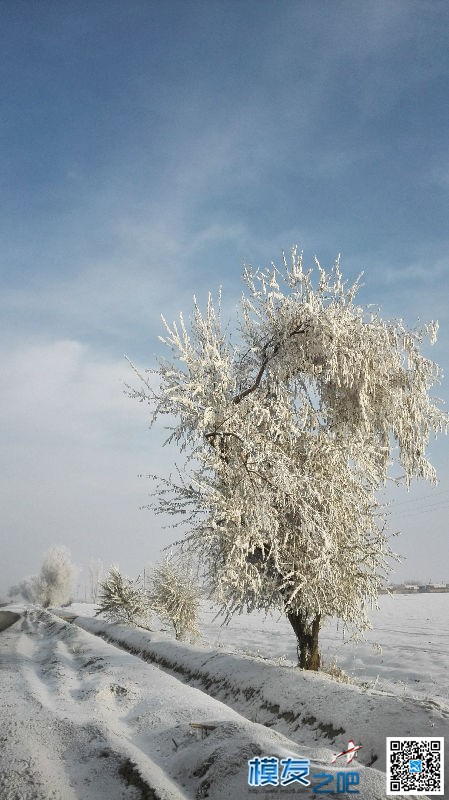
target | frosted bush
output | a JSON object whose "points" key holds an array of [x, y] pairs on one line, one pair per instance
{"points": [[120, 599], [174, 596]]}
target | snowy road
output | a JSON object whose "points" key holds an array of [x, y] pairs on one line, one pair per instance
{"points": [[84, 720], [51, 747]]}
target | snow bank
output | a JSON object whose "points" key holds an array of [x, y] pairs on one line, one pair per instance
{"points": [[307, 707]]}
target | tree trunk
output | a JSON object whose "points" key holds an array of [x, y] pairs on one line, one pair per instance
{"points": [[307, 639]]}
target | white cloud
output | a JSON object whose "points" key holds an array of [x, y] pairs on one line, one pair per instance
{"points": [[62, 390], [73, 446]]}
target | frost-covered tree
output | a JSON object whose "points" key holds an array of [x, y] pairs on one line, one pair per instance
{"points": [[54, 584], [290, 430], [120, 599], [174, 596], [56, 578]]}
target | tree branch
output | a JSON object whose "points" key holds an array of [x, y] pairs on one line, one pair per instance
{"points": [[265, 362]]}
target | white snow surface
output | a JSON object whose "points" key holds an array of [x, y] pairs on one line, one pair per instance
{"points": [[87, 719]]}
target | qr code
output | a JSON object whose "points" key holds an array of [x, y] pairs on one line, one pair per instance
{"points": [[415, 765]]}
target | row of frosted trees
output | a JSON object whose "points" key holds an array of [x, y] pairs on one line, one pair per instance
{"points": [[170, 592]]}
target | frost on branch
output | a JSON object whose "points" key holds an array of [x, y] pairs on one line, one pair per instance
{"points": [[121, 599], [289, 435], [174, 596]]}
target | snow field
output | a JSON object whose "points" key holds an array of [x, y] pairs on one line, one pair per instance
{"points": [[86, 719]]}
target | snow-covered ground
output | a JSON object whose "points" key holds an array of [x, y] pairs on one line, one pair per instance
{"points": [[412, 632], [85, 719]]}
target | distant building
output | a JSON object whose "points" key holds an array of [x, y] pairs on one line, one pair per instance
{"points": [[414, 588]]}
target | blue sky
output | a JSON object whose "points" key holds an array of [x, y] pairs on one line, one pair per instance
{"points": [[148, 150]]}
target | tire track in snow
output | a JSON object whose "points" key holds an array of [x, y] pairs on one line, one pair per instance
{"points": [[50, 748]]}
